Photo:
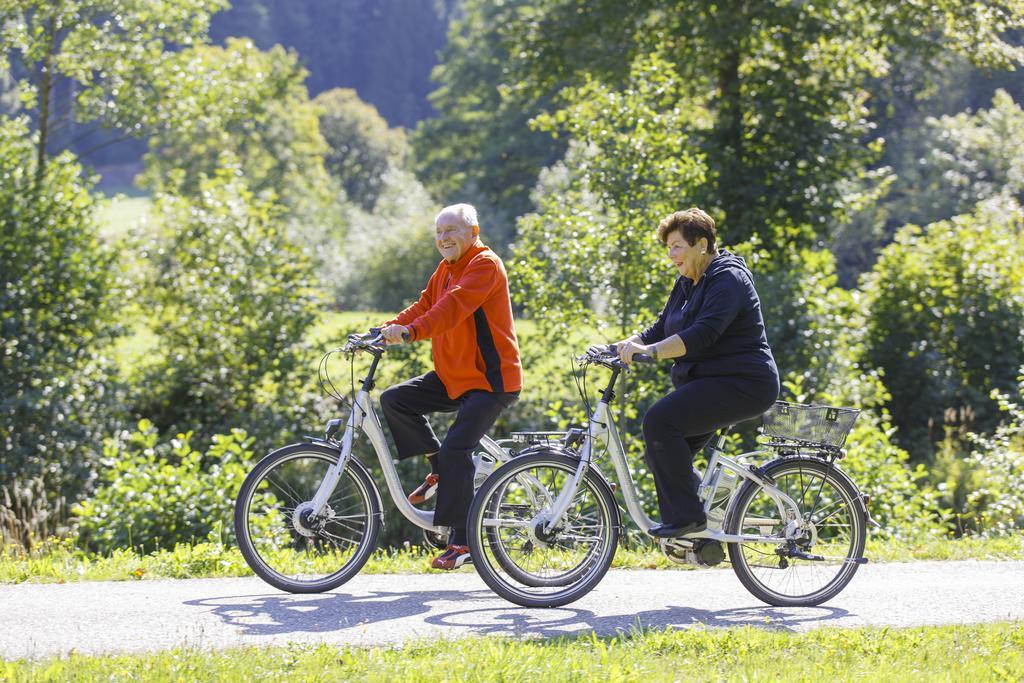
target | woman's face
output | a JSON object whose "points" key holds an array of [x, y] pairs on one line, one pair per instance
{"points": [[685, 256]]}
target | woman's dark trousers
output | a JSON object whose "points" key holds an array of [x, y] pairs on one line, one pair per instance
{"points": [[681, 423], [405, 405]]}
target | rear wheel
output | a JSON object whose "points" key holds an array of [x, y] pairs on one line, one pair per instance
{"points": [[822, 559], [283, 542], [517, 556]]}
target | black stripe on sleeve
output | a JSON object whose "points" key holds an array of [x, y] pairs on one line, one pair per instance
{"points": [[489, 352]]}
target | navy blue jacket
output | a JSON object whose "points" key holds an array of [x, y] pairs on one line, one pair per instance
{"points": [[719, 319]]}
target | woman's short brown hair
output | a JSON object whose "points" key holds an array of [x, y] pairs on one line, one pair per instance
{"points": [[692, 224]]}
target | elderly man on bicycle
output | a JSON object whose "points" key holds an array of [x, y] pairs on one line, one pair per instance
{"points": [[466, 312]]}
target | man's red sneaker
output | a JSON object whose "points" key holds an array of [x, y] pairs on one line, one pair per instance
{"points": [[425, 490], [452, 558]]}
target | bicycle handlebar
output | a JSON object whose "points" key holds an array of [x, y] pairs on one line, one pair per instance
{"points": [[608, 355], [357, 342], [637, 357]]}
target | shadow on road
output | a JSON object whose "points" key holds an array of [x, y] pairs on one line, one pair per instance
{"points": [[330, 612], [515, 621], [277, 613]]}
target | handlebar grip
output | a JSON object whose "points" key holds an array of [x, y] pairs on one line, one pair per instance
{"points": [[637, 357]]}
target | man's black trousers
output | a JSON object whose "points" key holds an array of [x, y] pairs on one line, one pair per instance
{"points": [[405, 406], [682, 423]]}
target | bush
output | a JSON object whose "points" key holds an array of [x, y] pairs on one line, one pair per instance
{"points": [[389, 254], [946, 320], [996, 505], [158, 494], [234, 299], [57, 313]]}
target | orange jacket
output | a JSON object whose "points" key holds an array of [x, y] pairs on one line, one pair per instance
{"points": [[466, 312]]}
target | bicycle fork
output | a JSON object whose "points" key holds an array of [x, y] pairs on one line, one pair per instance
{"points": [[333, 476]]}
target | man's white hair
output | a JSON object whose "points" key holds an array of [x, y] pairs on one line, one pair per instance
{"points": [[463, 215]]}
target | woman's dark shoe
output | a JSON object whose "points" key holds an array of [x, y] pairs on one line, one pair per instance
{"points": [[677, 530]]}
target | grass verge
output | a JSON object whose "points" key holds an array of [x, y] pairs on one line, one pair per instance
{"points": [[59, 562], [978, 652]]}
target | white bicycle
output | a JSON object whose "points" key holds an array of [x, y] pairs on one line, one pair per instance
{"points": [[308, 515], [544, 526]]}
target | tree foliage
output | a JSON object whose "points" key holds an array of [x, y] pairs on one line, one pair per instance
{"points": [[969, 161], [783, 83], [389, 253], [113, 49], [57, 311], [234, 298], [239, 103], [480, 147], [360, 146], [946, 319], [589, 252], [383, 49]]}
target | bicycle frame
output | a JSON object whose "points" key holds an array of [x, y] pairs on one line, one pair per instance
{"points": [[602, 429], [363, 418]]}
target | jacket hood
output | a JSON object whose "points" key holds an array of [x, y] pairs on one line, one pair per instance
{"points": [[726, 260]]}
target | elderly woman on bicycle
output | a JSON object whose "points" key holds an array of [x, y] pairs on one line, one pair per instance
{"points": [[723, 373]]}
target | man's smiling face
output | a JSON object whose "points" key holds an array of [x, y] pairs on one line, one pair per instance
{"points": [[453, 240]]}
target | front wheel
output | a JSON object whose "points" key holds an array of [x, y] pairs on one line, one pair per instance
{"points": [[283, 542], [516, 554], [821, 557]]}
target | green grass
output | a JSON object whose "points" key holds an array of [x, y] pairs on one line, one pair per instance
{"points": [[947, 653], [59, 562]]}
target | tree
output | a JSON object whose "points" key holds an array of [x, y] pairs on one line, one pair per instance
{"points": [[938, 168], [946, 319], [589, 252], [480, 147], [58, 305], [967, 161], [234, 299], [249, 109], [360, 146], [110, 48], [247, 105], [383, 49], [783, 84]]}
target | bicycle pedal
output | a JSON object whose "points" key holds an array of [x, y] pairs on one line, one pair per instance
{"points": [[805, 556]]}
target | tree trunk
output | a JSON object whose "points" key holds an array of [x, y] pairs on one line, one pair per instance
{"points": [[45, 93], [730, 132]]}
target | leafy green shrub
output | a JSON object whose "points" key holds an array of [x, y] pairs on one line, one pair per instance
{"points": [[57, 315], [997, 503], [156, 494], [234, 300], [946, 319], [389, 253]]}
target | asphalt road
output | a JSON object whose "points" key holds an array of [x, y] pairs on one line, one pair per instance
{"points": [[42, 620]]}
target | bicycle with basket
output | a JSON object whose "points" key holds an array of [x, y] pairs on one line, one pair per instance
{"points": [[544, 526]]}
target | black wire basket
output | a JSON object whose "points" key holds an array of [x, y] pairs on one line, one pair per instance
{"points": [[826, 426]]}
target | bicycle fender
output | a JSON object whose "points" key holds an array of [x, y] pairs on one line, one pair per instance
{"points": [[766, 472]]}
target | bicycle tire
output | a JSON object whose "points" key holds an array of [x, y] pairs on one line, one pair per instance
{"points": [[493, 560], [798, 475], [361, 496]]}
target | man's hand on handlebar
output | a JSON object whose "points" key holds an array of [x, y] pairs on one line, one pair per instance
{"points": [[395, 334]]}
